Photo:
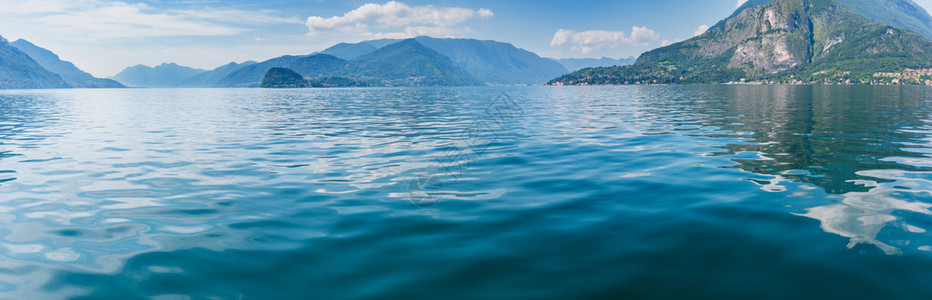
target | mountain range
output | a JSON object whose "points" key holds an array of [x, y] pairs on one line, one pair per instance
{"points": [[483, 62], [403, 63], [785, 41]]}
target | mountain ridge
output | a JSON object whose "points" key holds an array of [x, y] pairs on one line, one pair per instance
{"points": [[164, 75], [74, 76], [409, 62], [20, 71], [490, 62]]}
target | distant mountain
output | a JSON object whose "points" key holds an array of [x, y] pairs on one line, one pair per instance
{"points": [[903, 14], [495, 63], [68, 71], [319, 65], [19, 71], [573, 64], [491, 62], [781, 41], [164, 75], [409, 63], [488, 62], [403, 63], [350, 51], [213, 77]]}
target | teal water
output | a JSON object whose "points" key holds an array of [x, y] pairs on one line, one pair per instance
{"points": [[499, 193]]}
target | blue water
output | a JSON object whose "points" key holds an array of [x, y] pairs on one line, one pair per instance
{"points": [[499, 193]]}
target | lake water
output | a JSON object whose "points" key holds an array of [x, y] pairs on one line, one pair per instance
{"points": [[500, 193]]}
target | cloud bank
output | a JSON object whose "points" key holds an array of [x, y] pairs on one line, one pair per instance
{"points": [[397, 20], [115, 19], [594, 40]]}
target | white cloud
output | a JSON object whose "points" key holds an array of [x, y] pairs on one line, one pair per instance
{"points": [[594, 40], [702, 29], [102, 20], [740, 3], [642, 35], [389, 17], [485, 13], [414, 31]]}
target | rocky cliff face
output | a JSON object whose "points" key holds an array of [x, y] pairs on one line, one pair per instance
{"points": [[778, 43], [765, 39], [780, 39]]}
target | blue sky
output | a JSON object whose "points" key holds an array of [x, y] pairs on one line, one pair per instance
{"points": [[105, 36]]}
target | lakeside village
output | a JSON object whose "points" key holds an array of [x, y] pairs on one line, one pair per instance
{"points": [[906, 77], [828, 77]]}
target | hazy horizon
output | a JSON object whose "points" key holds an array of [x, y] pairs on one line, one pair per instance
{"points": [[103, 37]]}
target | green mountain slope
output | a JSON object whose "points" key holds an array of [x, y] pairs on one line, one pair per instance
{"points": [[67, 70], [350, 51], [573, 64], [782, 41], [409, 63], [19, 71], [164, 75], [319, 65]]}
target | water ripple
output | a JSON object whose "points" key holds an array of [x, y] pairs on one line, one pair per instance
{"points": [[404, 193]]}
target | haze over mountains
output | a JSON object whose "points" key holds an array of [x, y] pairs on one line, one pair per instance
{"points": [[27, 66], [19, 71], [67, 70], [783, 41], [476, 62], [164, 75], [413, 62]]}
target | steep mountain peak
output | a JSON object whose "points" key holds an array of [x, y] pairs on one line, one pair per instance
{"points": [[904, 14]]}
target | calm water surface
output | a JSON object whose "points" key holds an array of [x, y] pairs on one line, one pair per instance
{"points": [[500, 193]]}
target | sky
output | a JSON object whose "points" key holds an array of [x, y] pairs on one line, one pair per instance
{"points": [[105, 36]]}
